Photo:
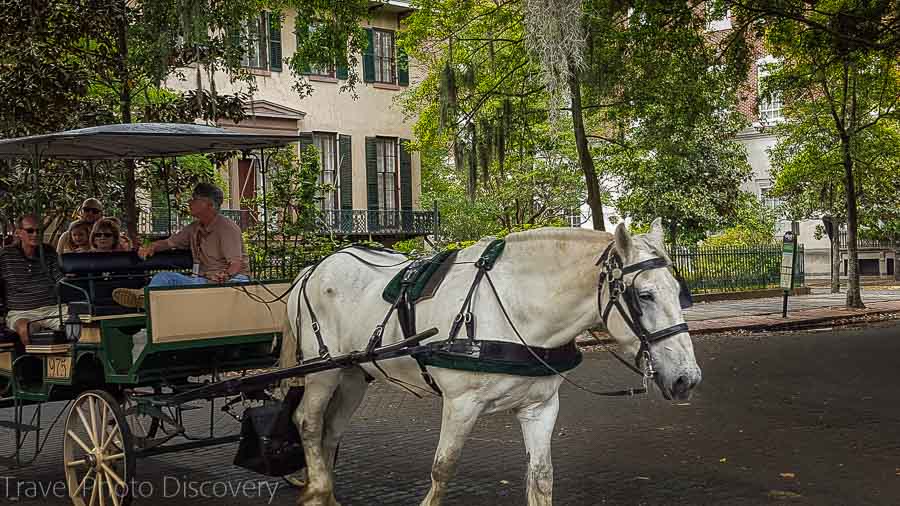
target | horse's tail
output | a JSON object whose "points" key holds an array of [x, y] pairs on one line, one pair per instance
{"points": [[291, 332]]}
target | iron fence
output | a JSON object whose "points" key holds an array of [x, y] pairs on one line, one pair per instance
{"points": [[351, 222], [886, 242], [729, 269]]}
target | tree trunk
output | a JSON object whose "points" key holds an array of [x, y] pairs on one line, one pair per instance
{"points": [[584, 153], [125, 110], [836, 260], [854, 298]]}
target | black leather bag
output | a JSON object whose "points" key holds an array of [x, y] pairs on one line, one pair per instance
{"points": [[270, 444]]}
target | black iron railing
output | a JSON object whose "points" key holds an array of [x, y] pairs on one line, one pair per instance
{"points": [[380, 222], [355, 222], [727, 269], [886, 242]]}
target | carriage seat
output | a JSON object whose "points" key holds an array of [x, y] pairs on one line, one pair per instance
{"points": [[99, 274]]}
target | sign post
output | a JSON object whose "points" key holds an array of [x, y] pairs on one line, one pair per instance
{"points": [[788, 250]]}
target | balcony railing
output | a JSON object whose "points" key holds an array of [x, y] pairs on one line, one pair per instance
{"points": [[356, 222], [869, 243], [380, 222]]}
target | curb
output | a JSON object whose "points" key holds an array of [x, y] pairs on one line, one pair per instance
{"points": [[798, 324], [805, 323]]}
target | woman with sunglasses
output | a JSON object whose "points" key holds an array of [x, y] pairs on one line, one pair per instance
{"points": [[105, 235]]}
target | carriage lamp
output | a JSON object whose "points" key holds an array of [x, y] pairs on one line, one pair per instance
{"points": [[73, 327]]}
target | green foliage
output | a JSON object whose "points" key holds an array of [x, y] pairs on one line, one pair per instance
{"points": [[336, 39], [667, 125], [290, 240], [490, 157]]}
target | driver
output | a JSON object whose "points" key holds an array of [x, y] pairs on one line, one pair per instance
{"points": [[215, 242], [30, 285]]}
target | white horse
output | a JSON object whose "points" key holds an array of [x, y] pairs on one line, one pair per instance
{"points": [[547, 280]]}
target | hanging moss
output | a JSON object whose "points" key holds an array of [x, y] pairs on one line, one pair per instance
{"points": [[485, 149], [448, 95]]}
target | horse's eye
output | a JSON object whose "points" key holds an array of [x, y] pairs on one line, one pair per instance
{"points": [[646, 296]]}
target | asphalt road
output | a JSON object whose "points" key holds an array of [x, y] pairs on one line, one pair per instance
{"points": [[808, 418]]}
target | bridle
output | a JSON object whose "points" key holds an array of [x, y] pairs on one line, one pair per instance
{"points": [[613, 274]]}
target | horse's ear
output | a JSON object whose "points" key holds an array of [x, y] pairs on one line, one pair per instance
{"points": [[623, 239], [656, 233]]}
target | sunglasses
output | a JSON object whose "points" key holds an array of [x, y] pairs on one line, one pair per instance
{"points": [[91, 210], [30, 230], [104, 234]]}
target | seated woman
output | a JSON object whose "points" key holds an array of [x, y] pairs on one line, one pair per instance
{"points": [[77, 240], [105, 235]]}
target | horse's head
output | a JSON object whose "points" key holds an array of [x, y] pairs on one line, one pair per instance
{"points": [[641, 302]]}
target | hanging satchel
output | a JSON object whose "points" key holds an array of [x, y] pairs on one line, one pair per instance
{"points": [[270, 444]]}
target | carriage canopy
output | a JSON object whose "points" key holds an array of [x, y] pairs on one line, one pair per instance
{"points": [[136, 141]]}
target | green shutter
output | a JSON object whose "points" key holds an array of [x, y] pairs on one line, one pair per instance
{"points": [[369, 57], [346, 154], [402, 68], [341, 72], [405, 176], [275, 55], [372, 183], [372, 173], [306, 140]]}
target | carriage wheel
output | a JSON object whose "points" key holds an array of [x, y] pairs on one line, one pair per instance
{"points": [[98, 451], [143, 426]]}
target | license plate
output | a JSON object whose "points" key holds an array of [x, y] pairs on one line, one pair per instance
{"points": [[59, 367]]}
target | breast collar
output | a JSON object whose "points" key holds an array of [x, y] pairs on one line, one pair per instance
{"points": [[613, 275]]}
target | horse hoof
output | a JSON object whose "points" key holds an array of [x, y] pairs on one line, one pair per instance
{"points": [[297, 480]]}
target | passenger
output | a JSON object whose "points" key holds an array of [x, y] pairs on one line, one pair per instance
{"points": [[105, 236], [76, 239], [215, 242], [90, 211], [30, 284], [124, 241]]}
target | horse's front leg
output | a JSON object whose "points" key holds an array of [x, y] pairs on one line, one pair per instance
{"points": [[537, 422], [458, 418]]}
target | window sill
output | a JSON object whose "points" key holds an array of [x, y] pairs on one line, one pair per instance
{"points": [[386, 86], [259, 72], [321, 79]]}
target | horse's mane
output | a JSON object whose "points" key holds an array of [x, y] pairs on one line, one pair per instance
{"points": [[558, 234]]}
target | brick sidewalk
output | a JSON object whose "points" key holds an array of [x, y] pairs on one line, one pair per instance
{"points": [[795, 319]]}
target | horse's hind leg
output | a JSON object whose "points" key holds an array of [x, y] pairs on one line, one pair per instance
{"points": [[310, 421], [537, 422], [458, 418], [349, 395]]}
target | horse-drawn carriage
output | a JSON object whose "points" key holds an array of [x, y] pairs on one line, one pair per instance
{"points": [[118, 368], [129, 375]]}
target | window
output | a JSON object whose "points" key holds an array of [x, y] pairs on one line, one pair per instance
{"points": [[765, 195], [769, 106], [327, 145], [573, 217], [256, 43], [385, 63], [386, 157], [716, 19], [318, 70]]}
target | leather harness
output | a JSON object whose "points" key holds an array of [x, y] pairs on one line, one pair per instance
{"points": [[510, 357]]}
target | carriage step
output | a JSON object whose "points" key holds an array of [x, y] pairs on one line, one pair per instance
{"points": [[24, 427]]}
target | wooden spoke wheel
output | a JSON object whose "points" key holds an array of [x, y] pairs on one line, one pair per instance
{"points": [[98, 451]]}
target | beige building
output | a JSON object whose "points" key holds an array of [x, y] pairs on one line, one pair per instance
{"points": [[376, 178]]}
